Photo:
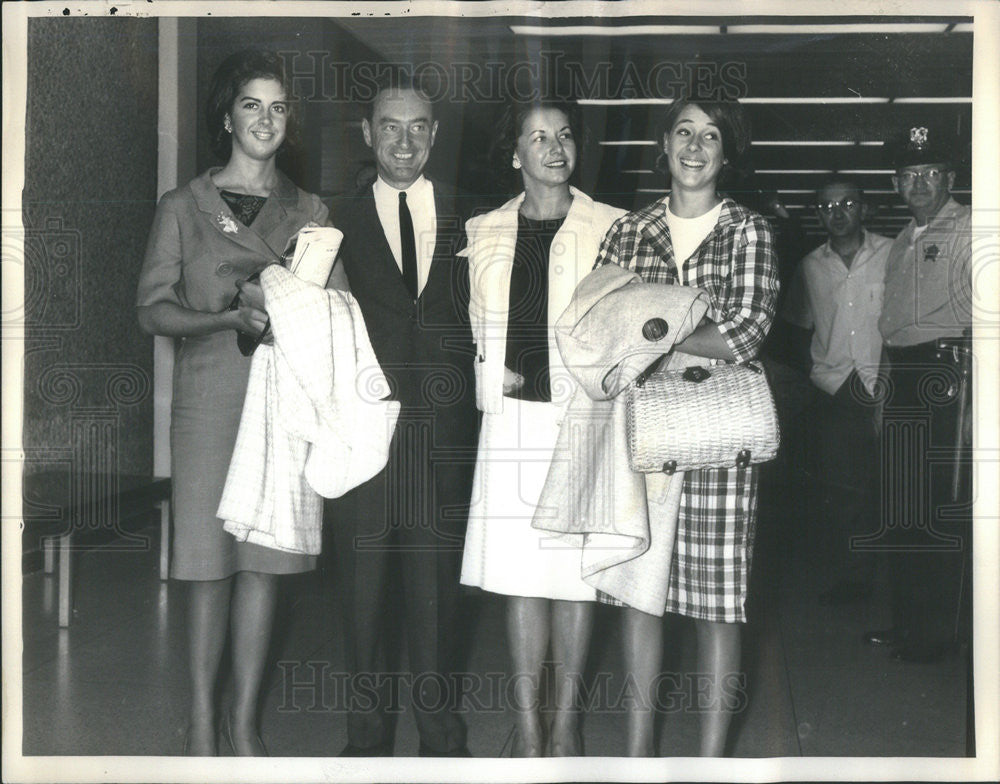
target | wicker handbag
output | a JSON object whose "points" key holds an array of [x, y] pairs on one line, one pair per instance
{"points": [[721, 416]]}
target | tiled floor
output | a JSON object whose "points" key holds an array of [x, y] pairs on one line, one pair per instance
{"points": [[114, 682]]}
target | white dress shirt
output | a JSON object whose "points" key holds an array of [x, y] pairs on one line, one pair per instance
{"points": [[420, 202], [842, 305]]}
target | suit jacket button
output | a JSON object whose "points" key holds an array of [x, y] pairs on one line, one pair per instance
{"points": [[224, 269]]}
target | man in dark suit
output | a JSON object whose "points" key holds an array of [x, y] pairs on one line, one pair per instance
{"points": [[408, 523]]}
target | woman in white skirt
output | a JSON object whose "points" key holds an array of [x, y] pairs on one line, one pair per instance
{"points": [[525, 260]]}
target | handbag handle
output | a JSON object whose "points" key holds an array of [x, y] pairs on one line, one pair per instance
{"points": [[650, 369], [695, 373]]}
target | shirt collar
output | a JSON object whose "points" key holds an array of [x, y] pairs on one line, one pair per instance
{"points": [[718, 208], [949, 210], [208, 198], [729, 212], [384, 190], [866, 244], [580, 201]]}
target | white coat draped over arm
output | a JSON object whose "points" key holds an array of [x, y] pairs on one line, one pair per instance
{"points": [[628, 520], [314, 424]]}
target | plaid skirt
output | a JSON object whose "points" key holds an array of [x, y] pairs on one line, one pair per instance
{"points": [[716, 524]]}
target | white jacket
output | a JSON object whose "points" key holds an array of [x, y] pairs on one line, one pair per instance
{"points": [[490, 250], [313, 425]]}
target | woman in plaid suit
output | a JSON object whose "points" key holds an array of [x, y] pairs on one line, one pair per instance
{"points": [[694, 237]]}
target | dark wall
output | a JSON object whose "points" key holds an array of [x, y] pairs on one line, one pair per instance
{"points": [[89, 196], [331, 147], [325, 59], [88, 203]]}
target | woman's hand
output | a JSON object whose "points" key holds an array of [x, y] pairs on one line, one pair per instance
{"points": [[251, 312], [706, 341], [512, 381]]}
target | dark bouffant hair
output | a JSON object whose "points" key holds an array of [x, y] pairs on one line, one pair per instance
{"points": [[509, 128], [733, 124], [230, 77]]}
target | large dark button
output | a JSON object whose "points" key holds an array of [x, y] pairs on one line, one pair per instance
{"points": [[654, 329]]}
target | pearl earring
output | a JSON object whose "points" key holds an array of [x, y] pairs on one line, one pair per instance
{"points": [[228, 126], [516, 163]]}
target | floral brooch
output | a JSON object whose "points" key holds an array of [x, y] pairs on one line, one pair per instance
{"points": [[229, 226]]}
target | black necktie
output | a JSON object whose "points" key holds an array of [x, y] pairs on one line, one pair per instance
{"points": [[408, 246]]}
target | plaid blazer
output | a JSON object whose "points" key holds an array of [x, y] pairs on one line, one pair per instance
{"points": [[737, 266]]}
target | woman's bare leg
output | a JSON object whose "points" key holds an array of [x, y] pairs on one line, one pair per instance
{"points": [[254, 598], [528, 636], [208, 613], [571, 626], [643, 641], [719, 656]]}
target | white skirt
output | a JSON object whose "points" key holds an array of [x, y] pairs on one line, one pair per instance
{"points": [[503, 553]]}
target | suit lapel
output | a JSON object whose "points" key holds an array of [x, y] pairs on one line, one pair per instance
{"points": [[266, 225], [657, 234], [273, 214], [380, 253], [449, 231]]}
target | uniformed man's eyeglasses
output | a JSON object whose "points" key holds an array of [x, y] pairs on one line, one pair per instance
{"points": [[932, 176], [847, 205]]}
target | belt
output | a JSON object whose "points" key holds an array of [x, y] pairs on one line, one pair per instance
{"points": [[917, 352]]}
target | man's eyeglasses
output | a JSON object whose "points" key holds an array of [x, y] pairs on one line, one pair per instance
{"points": [[847, 205], [930, 176]]}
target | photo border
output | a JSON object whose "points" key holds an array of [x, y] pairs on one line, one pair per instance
{"points": [[986, 641]]}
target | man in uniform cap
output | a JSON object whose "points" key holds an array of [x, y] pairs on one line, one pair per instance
{"points": [[926, 311]]}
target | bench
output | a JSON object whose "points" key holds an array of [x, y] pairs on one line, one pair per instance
{"points": [[75, 508]]}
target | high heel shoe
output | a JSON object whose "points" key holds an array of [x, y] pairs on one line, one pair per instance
{"points": [[513, 740], [227, 733], [508, 744]]}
